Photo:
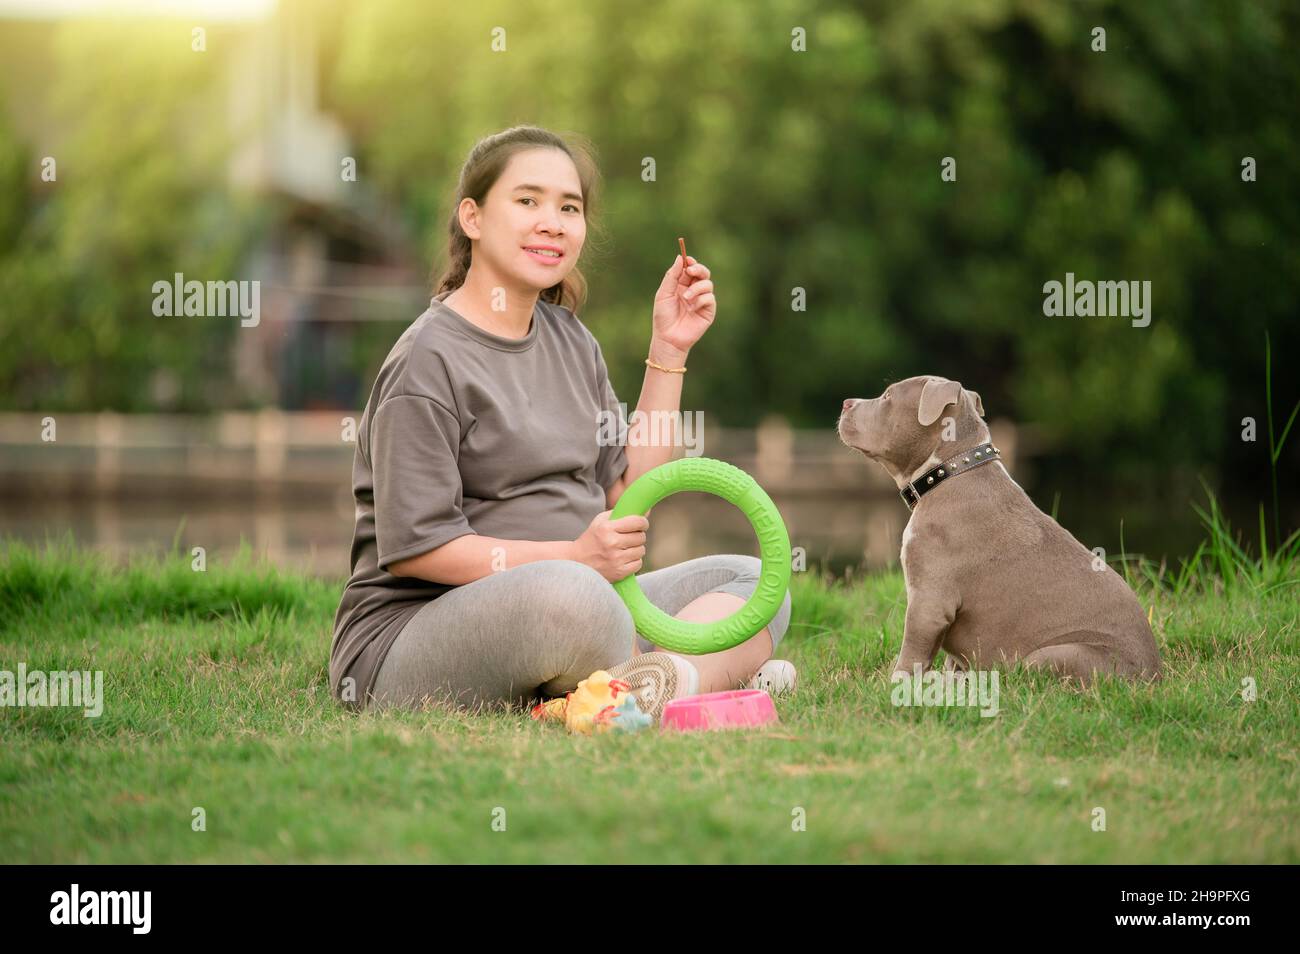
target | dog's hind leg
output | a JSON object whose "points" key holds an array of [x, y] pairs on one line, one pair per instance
{"points": [[1079, 661]]}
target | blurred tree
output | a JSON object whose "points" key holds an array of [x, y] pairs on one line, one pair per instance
{"points": [[816, 170], [139, 196], [820, 170]]}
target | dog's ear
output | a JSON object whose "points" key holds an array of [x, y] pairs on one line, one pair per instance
{"points": [[937, 394], [979, 405]]}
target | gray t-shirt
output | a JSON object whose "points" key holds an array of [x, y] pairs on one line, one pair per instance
{"points": [[468, 432]]}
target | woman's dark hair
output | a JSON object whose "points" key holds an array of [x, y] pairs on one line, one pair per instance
{"points": [[486, 161]]}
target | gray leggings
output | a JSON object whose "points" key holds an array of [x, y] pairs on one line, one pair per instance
{"points": [[533, 631]]}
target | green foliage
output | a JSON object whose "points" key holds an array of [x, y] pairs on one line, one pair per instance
{"points": [[1223, 561], [818, 170], [219, 699], [40, 587], [821, 170], [139, 195]]}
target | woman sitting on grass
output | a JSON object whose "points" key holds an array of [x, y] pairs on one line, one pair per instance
{"points": [[483, 552]]}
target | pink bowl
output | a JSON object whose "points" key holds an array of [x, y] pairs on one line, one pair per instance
{"points": [[737, 709]]}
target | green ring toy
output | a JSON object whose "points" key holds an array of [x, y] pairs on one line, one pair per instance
{"points": [[737, 487]]}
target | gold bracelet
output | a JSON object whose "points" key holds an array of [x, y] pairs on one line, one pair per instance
{"points": [[681, 370]]}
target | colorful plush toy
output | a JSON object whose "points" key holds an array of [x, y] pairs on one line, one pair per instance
{"points": [[628, 717], [600, 704], [552, 710]]}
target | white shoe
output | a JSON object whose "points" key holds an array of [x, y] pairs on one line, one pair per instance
{"points": [[774, 677], [656, 679]]}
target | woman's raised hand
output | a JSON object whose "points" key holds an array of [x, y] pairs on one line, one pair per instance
{"points": [[614, 548], [684, 305]]}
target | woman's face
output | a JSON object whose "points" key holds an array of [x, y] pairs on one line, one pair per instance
{"points": [[533, 208]]}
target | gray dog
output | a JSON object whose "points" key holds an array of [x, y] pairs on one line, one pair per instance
{"points": [[990, 577]]}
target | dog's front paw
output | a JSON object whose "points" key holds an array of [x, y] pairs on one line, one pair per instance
{"points": [[910, 667]]}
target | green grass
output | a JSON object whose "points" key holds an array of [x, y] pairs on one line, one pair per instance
{"points": [[216, 697]]}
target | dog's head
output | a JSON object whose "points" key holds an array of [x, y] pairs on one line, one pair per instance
{"points": [[912, 420]]}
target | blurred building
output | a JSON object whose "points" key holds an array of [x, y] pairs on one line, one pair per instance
{"points": [[330, 255], [333, 256]]}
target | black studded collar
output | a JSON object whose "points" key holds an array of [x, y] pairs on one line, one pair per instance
{"points": [[954, 465]]}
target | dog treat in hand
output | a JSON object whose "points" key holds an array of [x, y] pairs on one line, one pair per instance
{"points": [[682, 242]]}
